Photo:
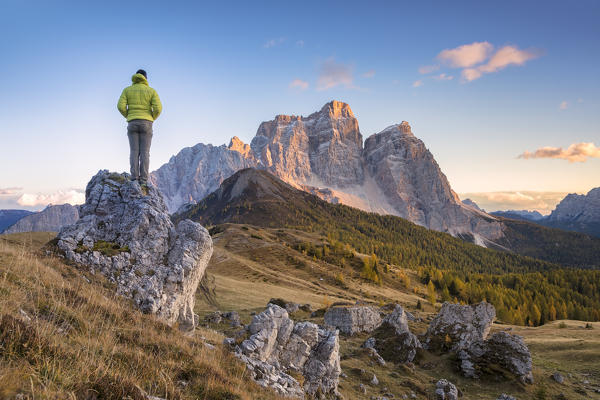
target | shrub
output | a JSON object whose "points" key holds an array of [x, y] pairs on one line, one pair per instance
{"points": [[326, 302]]}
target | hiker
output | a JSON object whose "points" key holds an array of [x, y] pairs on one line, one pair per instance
{"points": [[139, 103]]}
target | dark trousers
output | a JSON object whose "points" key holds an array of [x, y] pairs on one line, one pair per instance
{"points": [[139, 132]]}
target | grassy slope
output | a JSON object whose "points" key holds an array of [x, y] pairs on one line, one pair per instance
{"points": [[64, 334], [253, 264]]}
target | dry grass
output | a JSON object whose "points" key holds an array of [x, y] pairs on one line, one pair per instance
{"points": [[65, 335], [266, 268], [83, 340]]}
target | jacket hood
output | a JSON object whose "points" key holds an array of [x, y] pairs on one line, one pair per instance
{"points": [[139, 78]]}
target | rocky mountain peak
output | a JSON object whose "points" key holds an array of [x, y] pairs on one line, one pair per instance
{"points": [[337, 109], [404, 127], [579, 209], [236, 144], [321, 149]]}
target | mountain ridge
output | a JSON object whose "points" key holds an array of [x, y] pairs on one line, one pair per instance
{"points": [[10, 217], [391, 173], [50, 219]]}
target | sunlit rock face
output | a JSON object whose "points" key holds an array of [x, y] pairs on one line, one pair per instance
{"points": [[323, 154], [413, 183], [321, 149]]}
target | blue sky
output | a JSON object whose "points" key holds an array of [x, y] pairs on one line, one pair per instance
{"points": [[221, 69]]}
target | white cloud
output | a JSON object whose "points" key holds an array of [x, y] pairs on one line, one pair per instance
{"points": [[479, 58], [59, 197], [470, 74], [332, 74], [273, 42], [466, 55], [543, 202], [427, 69], [577, 152], [505, 56], [563, 105], [299, 84], [417, 83], [443, 77], [369, 74]]}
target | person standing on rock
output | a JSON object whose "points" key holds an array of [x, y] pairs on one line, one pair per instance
{"points": [[140, 104]]}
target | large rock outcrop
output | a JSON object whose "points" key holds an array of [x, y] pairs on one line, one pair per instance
{"points": [[50, 219], [456, 326], [323, 154], [352, 320], [125, 233], [278, 349]]}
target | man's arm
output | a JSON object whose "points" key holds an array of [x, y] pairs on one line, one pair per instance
{"points": [[156, 105], [122, 104]]}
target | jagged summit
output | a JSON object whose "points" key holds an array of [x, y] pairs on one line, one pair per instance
{"points": [[334, 109], [402, 128], [236, 144], [337, 109]]}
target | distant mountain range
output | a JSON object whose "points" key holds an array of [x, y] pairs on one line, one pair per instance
{"points": [[523, 215], [256, 197], [50, 219], [323, 154], [579, 213], [9, 217], [576, 212]]}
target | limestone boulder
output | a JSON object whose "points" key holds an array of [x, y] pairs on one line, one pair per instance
{"points": [[393, 339], [277, 347], [352, 320], [457, 326], [501, 350], [445, 390]]}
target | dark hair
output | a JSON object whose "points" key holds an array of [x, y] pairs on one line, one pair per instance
{"points": [[141, 71]]}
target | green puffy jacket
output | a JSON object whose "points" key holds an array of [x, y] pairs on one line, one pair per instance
{"points": [[139, 101]]}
